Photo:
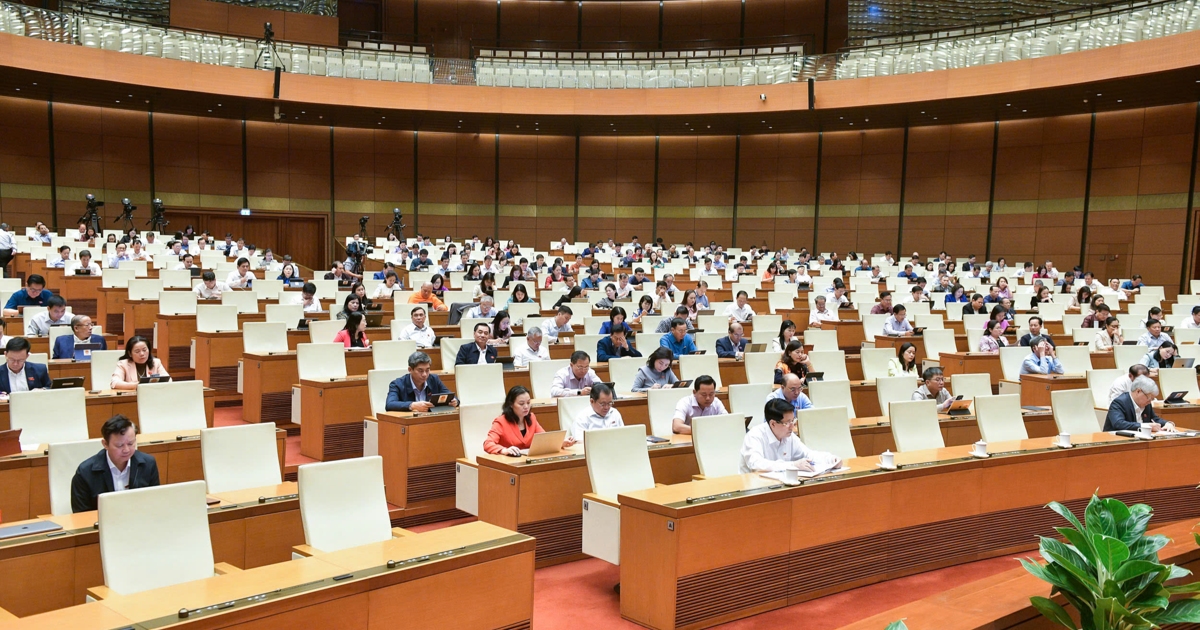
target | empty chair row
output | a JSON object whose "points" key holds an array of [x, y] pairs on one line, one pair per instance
{"points": [[619, 78]]}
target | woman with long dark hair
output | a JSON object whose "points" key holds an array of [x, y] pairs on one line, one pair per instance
{"points": [[516, 425]]}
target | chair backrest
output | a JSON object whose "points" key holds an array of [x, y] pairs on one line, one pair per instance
{"points": [[875, 362], [569, 408], [1074, 359], [51, 415], [216, 318], [388, 355], [832, 363], [708, 341], [832, 394], [289, 314], [171, 406], [1011, 358], [1073, 411], [1100, 381], [177, 303], [316, 361], [692, 366], [718, 443], [622, 371], [378, 381], [892, 389], [474, 422], [240, 457], [245, 301], [541, 375], [1125, 356], [760, 366], [342, 503], [915, 425], [938, 341], [1177, 380], [103, 363], [64, 460], [587, 343], [973, 386], [748, 400], [145, 288], [820, 340], [999, 418], [826, 429], [170, 526], [117, 277], [486, 383], [618, 460], [450, 346], [661, 403], [264, 337], [324, 330]]}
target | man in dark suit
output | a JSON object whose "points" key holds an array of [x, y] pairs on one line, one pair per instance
{"points": [[970, 264], [81, 326], [615, 346], [1129, 411], [19, 375], [470, 353], [120, 466], [412, 391], [733, 346]]}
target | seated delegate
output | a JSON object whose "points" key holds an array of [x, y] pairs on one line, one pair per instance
{"points": [[599, 415], [1134, 409], [20, 375], [516, 425], [81, 328], [773, 446], [34, 294], [702, 402], [137, 362], [732, 346], [480, 351], [119, 466], [614, 346], [412, 391], [576, 379], [1043, 359], [656, 374]]}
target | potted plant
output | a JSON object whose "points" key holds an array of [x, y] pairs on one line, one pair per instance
{"points": [[1108, 570]]}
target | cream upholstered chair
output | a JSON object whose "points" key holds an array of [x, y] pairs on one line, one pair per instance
{"points": [[244, 301], [618, 461], [1073, 412], [173, 406], [474, 421], [748, 400], [570, 408], [1099, 382], [175, 279], [144, 288], [826, 429], [51, 415], [64, 460], [324, 330], [718, 443], [1074, 359], [915, 425], [622, 371], [587, 343], [317, 361], [708, 341], [541, 375], [1176, 380], [342, 504], [760, 366], [832, 394], [288, 314], [103, 364], [486, 383], [170, 525], [692, 366], [216, 318], [1125, 356], [892, 389], [820, 340], [240, 457], [999, 418], [1011, 358], [937, 342], [769, 321], [264, 337], [972, 386], [875, 362], [450, 346], [387, 355], [42, 358], [176, 303], [831, 363], [661, 403], [378, 382]]}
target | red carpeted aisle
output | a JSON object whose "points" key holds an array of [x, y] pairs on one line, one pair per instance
{"points": [[579, 594]]}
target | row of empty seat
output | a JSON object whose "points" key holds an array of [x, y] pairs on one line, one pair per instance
{"points": [[617, 77]]}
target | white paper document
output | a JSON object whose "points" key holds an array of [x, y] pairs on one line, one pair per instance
{"points": [[803, 474]]}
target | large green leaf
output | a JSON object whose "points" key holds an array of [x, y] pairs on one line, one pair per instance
{"points": [[1149, 604], [1147, 547], [1053, 575], [1110, 552], [1053, 612], [1179, 611], [1134, 527], [1177, 572], [1117, 509], [1135, 568], [1194, 587], [1081, 541], [897, 625], [1062, 511], [1098, 519], [1066, 557]]}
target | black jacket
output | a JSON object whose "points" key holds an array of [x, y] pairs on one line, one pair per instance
{"points": [[468, 354], [93, 478], [1122, 416]]}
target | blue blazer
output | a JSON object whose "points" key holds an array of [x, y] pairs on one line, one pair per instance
{"points": [[36, 375], [606, 351], [402, 393], [1123, 417], [468, 354], [64, 348], [725, 349]]}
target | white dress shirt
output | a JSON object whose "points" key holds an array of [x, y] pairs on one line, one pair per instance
{"points": [[120, 477], [741, 314], [16, 381], [1120, 386], [527, 354], [687, 408], [477, 313], [6, 240], [202, 291], [423, 336], [298, 300], [482, 355], [550, 330], [565, 383], [238, 281], [39, 325], [592, 420], [383, 290], [91, 266], [761, 451], [826, 315], [894, 327]]}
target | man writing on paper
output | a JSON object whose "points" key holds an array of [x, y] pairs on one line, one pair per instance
{"points": [[773, 446], [1133, 410]]}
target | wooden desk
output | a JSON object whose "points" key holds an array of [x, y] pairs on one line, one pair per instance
{"points": [[107, 403], [849, 331], [38, 574], [419, 453], [267, 381], [869, 525], [25, 480], [1036, 388], [42, 344], [873, 436], [83, 294], [332, 413], [543, 497], [110, 310], [70, 368], [217, 358], [972, 363], [352, 588], [139, 317]]}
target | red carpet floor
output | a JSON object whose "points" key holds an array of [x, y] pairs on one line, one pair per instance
{"points": [[579, 594]]}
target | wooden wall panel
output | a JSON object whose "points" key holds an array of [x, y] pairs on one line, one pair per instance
{"points": [[947, 188], [879, 190], [221, 17], [598, 188], [373, 174], [25, 163]]}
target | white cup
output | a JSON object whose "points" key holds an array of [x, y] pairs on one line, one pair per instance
{"points": [[981, 448], [1146, 432], [791, 475], [1064, 440], [887, 459]]}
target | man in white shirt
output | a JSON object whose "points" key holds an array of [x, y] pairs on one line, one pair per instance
{"points": [[1124, 383], [534, 350], [740, 311], [576, 379], [602, 415], [1193, 320], [417, 330], [85, 262], [897, 325], [708, 268], [240, 278], [821, 314], [209, 288], [561, 323], [64, 260], [308, 298], [6, 245], [772, 446], [187, 262], [702, 402], [485, 309], [119, 256], [624, 289], [54, 315]]}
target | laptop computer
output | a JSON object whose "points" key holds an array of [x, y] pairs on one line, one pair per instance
{"points": [[960, 407], [26, 529], [374, 320], [83, 351], [1176, 398], [1181, 362], [547, 443], [66, 381], [195, 271], [756, 347], [155, 378], [302, 324]]}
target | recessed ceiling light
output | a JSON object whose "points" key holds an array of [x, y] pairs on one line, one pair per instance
{"points": [[35, 84], [1098, 95], [935, 117], [302, 112], [18, 89], [118, 101], [851, 124], [1024, 110], [218, 105], [1118, 100], [1008, 104], [210, 111], [922, 112], [866, 120]]}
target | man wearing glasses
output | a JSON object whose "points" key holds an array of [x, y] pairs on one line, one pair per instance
{"points": [[601, 416], [934, 389], [773, 446], [791, 391]]}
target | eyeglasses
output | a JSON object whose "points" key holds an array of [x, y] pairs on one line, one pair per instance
{"points": [[787, 423]]}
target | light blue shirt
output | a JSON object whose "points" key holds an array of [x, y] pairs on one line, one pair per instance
{"points": [[1152, 342], [801, 402], [893, 326], [1045, 365], [687, 346]]}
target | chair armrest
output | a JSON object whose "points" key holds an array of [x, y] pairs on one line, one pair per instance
{"points": [[398, 532], [223, 568], [466, 462], [304, 551], [100, 593], [591, 496]]}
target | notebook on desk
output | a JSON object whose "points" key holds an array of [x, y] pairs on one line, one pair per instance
{"points": [[546, 443], [83, 351]]}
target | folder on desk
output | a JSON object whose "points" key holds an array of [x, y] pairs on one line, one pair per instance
{"points": [[83, 351]]}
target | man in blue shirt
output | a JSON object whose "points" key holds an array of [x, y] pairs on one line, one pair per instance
{"points": [[1042, 360], [421, 261], [678, 342], [1132, 286], [791, 391], [382, 274], [35, 294]]}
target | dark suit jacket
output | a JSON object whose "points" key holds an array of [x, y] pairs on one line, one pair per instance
{"points": [[725, 349], [64, 348], [93, 478], [1123, 417], [402, 393], [967, 266], [606, 351], [36, 375], [469, 354]]}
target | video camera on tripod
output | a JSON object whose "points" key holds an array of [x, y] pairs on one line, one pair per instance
{"points": [[397, 225], [126, 215], [158, 217], [90, 216]]}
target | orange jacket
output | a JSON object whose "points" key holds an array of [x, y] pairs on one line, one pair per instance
{"points": [[504, 434], [433, 301]]}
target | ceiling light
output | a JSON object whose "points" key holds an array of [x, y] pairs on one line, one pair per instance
{"points": [[303, 112], [1118, 100], [1008, 104], [851, 124], [1024, 110], [35, 84]]}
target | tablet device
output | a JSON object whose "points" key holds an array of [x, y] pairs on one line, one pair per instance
{"points": [[302, 324], [1181, 362], [917, 332], [154, 378], [83, 351], [814, 376], [699, 352], [756, 347], [195, 271], [682, 384], [65, 382], [374, 320], [83, 272], [546, 443], [1176, 398], [960, 407], [506, 363], [441, 403]]}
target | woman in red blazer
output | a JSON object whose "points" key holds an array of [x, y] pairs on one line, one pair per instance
{"points": [[513, 430], [354, 334]]}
